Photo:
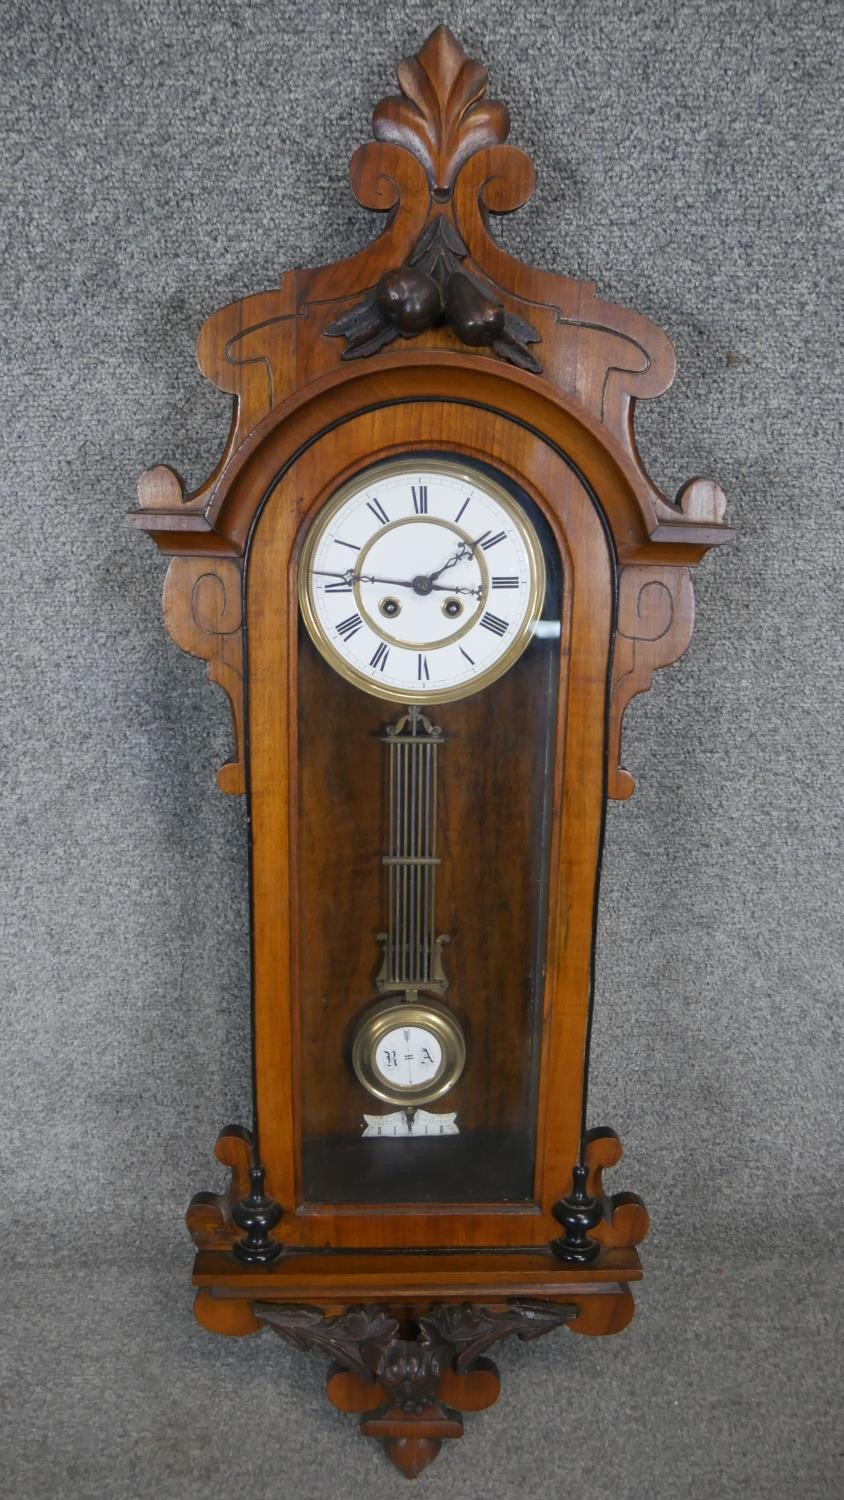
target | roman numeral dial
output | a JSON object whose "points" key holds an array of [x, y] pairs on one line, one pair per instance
{"points": [[398, 575], [494, 623]]}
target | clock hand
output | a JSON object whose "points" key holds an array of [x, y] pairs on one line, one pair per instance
{"points": [[466, 549], [413, 583], [456, 557], [398, 583], [448, 588], [350, 577]]}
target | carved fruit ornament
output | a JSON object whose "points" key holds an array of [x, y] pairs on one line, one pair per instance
{"points": [[443, 118]]}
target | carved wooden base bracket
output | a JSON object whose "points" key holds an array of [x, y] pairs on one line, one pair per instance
{"points": [[209, 1216], [410, 1392]]}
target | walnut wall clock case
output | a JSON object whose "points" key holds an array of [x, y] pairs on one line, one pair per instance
{"points": [[430, 573]]}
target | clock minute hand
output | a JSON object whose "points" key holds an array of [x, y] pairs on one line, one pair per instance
{"points": [[350, 576], [420, 585]]}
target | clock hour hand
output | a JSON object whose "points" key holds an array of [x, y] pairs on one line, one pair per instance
{"points": [[466, 549]]}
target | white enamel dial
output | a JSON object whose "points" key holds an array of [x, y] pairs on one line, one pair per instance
{"points": [[421, 581], [407, 1056]]}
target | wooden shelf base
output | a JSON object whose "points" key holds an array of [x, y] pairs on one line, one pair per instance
{"points": [[407, 1334], [334, 1279]]}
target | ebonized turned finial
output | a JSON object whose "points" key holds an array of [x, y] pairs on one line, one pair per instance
{"points": [[578, 1213], [257, 1215]]}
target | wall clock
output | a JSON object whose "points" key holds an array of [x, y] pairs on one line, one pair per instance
{"points": [[430, 572]]}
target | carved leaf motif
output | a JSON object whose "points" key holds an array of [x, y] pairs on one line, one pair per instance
{"points": [[468, 304], [471, 1330], [357, 1339], [438, 248], [441, 116], [410, 1369]]}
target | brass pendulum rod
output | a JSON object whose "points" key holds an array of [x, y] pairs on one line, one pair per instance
{"points": [[411, 945]]}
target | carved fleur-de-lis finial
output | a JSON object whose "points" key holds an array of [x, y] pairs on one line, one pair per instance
{"points": [[441, 118], [441, 115]]}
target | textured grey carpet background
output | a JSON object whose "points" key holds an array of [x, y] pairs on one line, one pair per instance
{"points": [[161, 159]]}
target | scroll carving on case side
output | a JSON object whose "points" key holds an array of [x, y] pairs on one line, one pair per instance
{"points": [[203, 614], [655, 620]]}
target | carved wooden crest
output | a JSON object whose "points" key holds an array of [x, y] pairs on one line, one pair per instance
{"points": [[435, 282], [442, 118]]}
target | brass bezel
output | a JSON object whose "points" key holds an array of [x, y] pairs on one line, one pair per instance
{"points": [[419, 1011], [520, 640], [459, 630]]}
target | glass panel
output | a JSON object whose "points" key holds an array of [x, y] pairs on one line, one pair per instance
{"points": [[413, 829]]}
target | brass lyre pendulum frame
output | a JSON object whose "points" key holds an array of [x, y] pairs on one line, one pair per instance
{"points": [[412, 947]]}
